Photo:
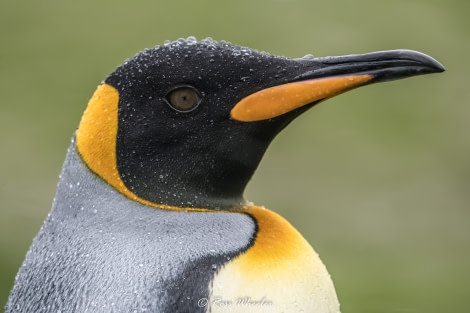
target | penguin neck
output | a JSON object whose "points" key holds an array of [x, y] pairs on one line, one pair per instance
{"points": [[207, 171], [196, 179]]}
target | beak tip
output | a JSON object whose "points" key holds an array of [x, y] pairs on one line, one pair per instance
{"points": [[402, 64], [431, 64], [440, 68]]}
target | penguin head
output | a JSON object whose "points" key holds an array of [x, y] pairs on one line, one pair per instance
{"points": [[185, 124]]}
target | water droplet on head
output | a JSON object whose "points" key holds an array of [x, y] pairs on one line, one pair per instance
{"points": [[308, 56], [191, 40]]}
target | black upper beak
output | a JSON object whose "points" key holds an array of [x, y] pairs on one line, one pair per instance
{"points": [[383, 65]]}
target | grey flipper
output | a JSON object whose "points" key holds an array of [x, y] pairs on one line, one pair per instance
{"points": [[99, 251]]}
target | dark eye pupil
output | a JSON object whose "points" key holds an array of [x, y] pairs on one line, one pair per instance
{"points": [[183, 99]]}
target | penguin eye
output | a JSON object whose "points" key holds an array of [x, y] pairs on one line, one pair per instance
{"points": [[183, 99]]}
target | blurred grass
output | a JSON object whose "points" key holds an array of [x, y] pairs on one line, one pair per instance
{"points": [[377, 180]]}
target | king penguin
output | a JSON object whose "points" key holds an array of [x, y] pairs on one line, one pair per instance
{"points": [[149, 214]]}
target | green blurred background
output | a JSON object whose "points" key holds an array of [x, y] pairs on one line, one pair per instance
{"points": [[378, 179]]}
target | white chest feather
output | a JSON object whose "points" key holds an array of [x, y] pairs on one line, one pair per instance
{"points": [[279, 273]]}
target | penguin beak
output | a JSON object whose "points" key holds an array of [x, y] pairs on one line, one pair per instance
{"points": [[332, 76]]}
